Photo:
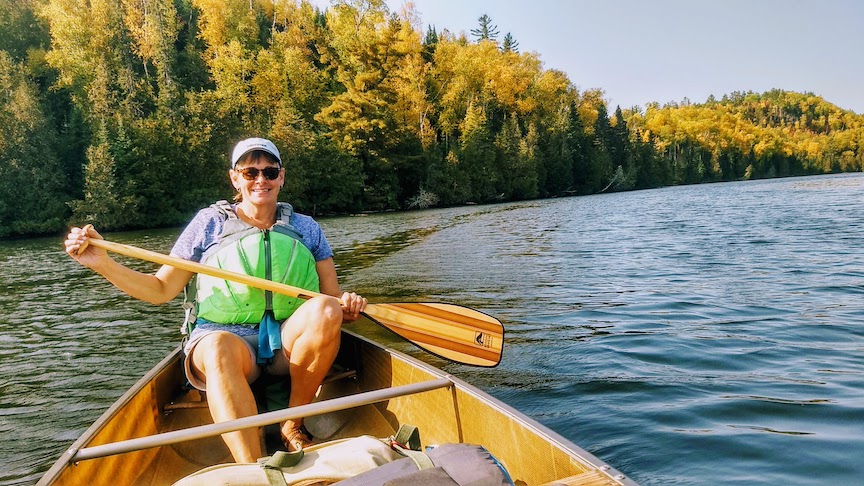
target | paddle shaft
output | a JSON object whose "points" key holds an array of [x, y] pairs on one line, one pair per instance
{"points": [[453, 332], [152, 256]]}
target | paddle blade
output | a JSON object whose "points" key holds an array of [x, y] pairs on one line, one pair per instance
{"points": [[450, 331]]}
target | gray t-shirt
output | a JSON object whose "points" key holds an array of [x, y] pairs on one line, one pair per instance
{"points": [[204, 231]]}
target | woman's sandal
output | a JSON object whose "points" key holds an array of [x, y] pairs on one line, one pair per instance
{"points": [[297, 439]]}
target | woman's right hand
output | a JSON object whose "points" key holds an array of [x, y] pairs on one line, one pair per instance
{"points": [[77, 239]]}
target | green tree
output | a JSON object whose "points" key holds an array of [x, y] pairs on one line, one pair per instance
{"points": [[507, 154], [430, 42], [600, 170], [486, 31], [103, 201], [22, 30], [510, 44], [477, 155], [449, 180], [324, 179], [621, 153], [579, 149], [31, 176]]}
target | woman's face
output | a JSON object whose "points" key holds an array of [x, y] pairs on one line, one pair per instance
{"points": [[259, 190]]}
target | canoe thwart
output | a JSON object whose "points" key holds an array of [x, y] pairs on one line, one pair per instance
{"points": [[203, 431]]}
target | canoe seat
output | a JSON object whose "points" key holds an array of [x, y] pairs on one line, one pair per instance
{"points": [[192, 399], [195, 399]]}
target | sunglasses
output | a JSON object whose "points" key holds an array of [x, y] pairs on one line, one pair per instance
{"points": [[251, 173]]}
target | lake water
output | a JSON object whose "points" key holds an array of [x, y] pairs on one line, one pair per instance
{"points": [[708, 334]]}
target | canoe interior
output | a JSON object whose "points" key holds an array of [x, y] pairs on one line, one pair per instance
{"points": [[532, 454]]}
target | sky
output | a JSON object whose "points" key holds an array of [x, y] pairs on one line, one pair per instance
{"points": [[667, 50]]}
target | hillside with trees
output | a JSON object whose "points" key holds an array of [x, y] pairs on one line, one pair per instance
{"points": [[749, 135], [123, 113]]}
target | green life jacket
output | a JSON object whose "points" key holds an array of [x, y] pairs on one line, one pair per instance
{"points": [[277, 254]]}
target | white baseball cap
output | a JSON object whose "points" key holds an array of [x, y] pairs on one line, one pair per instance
{"points": [[251, 144]]}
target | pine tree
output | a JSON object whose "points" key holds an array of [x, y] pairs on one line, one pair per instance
{"points": [[600, 170], [620, 151], [31, 175], [510, 44], [430, 43], [579, 149], [431, 37], [486, 31]]}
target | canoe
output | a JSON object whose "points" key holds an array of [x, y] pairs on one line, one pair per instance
{"points": [[160, 430]]}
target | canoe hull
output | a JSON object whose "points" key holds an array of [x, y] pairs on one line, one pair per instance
{"points": [[159, 403]]}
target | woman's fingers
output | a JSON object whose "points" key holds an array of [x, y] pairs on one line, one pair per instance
{"points": [[353, 304], [74, 240], [77, 242]]}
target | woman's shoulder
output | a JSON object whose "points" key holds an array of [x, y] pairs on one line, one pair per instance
{"points": [[207, 220], [305, 224], [313, 236], [200, 234], [304, 218]]}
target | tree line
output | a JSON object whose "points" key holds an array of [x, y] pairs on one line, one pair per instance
{"points": [[122, 113]]}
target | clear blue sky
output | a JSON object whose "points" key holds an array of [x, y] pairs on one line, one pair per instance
{"points": [[638, 51]]}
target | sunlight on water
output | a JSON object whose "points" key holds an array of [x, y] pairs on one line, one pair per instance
{"points": [[690, 335]]}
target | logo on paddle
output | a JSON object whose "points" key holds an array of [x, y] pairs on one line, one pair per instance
{"points": [[482, 339]]}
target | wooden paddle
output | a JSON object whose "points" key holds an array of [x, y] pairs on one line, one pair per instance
{"points": [[450, 331]]}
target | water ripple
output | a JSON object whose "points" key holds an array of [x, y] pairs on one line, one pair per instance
{"points": [[691, 335]]}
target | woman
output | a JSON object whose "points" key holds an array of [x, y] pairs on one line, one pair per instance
{"points": [[236, 334]]}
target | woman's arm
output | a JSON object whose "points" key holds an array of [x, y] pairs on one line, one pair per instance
{"points": [[157, 288]]}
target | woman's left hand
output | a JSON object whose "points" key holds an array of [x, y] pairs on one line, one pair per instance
{"points": [[352, 306]]}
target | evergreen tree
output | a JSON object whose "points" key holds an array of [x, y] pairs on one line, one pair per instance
{"points": [[579, 150], [31, 176], [507, 154], [510, 44], [600, 170], [449, 180], [104, 202], [526, 174], [486, 31], [477, 155], [431, 37], [430, 43], [621, 153]]}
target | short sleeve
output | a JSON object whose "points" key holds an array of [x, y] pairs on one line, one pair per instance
{"points": [[199, 235], [313, 236]]}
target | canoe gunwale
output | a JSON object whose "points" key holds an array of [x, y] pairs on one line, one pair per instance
{"points": [[541, 430], [68, 456]]}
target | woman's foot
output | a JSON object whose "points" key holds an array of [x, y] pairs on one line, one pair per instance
{"points": [[296, 439]]}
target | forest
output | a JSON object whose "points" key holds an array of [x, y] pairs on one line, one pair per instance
{"points": [[122, 113]]}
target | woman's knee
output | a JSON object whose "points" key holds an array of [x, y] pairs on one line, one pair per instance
{"points": [[327, 310], [320, 316]]}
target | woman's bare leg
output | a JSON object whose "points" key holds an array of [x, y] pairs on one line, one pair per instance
{"points": [[223, 362], [310, 341]]}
